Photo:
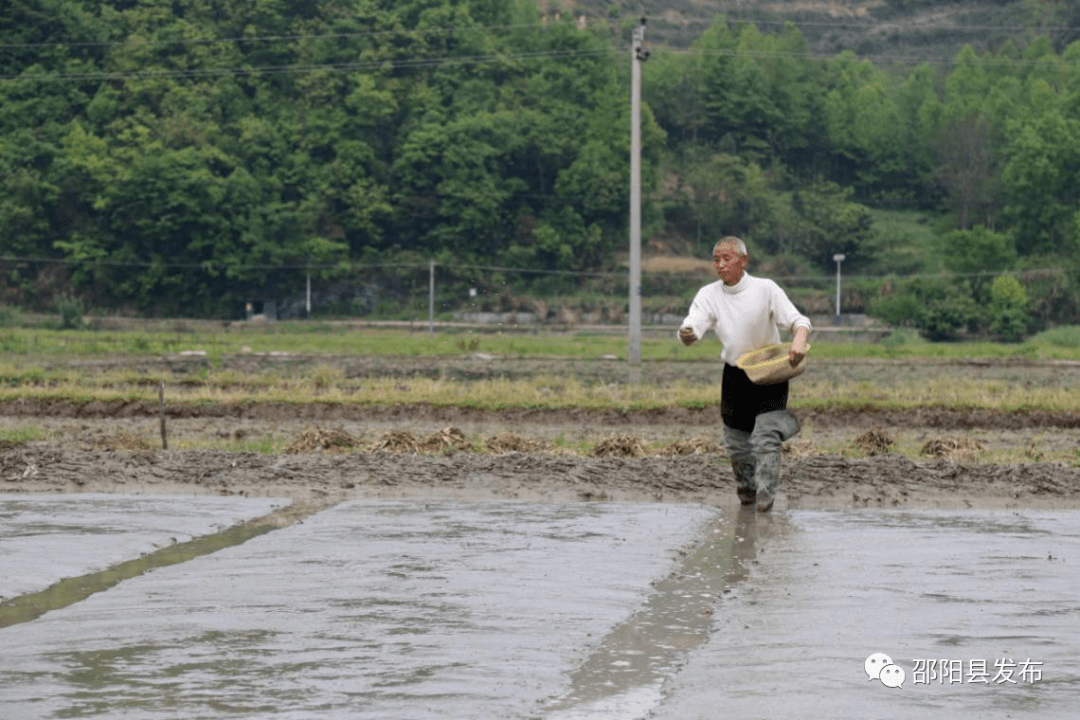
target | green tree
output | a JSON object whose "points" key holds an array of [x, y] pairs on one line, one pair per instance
{"points": [[1041, 178], [828, 223], [1009, 317], [758, 90], [939, 309], [863, 125], [976, 252]]}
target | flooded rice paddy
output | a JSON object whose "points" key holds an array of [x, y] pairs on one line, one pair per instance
{"points": [[414, 609]]}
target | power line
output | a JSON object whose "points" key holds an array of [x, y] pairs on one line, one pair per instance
{"points": [[443, 30], [406, 63], [492, 268], [140, 42], [421, 62], [986, 59], [531, 271], [871, 23], [403, 62], [298, 68]]}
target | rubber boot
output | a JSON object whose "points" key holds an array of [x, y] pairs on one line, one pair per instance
{"points": [[741, 454], [771, 429]]}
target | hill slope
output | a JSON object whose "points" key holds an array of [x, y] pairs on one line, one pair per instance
{"points": [[888, 31]]}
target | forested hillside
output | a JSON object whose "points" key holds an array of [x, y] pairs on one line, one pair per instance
{"points": [[176, 157], [885, 30]]}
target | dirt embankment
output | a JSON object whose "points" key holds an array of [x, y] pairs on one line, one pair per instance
{"points": [[938, 418], [825, 481], [74, 459]]}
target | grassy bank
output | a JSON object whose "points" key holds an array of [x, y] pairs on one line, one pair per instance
{"points": [[306, 367], [300, 363], [347, 339]]}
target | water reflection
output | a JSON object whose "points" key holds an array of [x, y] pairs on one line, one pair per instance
{"points": [[963, 587], [369, 609], [512, 610], [624, 675]]}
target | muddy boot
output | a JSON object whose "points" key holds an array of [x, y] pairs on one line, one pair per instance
{"points": [[741, 454], [771, 429]]}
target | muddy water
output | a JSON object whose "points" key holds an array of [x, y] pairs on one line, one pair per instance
{"points": [[942, 594], [376, 610], [582, 611], [44, 538]]}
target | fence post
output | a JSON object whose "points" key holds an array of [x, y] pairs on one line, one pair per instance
{"points": [[431, 297], [161, 411]]}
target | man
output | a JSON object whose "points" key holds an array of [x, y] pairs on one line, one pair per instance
{"points": [[746, 313]]}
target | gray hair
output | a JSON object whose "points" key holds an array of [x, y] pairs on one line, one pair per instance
{"points": [[737, 243]]}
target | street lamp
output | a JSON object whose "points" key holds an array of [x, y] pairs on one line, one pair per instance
{"points": [[838, 258]]}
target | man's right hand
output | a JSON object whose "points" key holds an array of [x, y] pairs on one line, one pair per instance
{"points": [[686, 334]]}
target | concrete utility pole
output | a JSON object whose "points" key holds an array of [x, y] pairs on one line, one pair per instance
{"points": [[638, 55], [838, 258]]}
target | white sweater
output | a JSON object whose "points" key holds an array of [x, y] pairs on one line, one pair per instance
{"points": [[745, 316]]}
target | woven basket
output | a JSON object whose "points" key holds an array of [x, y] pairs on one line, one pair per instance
{"points": [[769, 365]]}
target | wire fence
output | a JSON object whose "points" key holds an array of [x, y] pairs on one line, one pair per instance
{"points": [[430, 291]]}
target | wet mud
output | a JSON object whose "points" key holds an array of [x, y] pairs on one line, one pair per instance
{"points": [[826, 481], [400, 609], [342, 450]]}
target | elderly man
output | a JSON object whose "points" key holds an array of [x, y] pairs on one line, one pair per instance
{"points": [[746, 313]]}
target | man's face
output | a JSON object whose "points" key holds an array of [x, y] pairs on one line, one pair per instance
{"points": [[729, 264]]}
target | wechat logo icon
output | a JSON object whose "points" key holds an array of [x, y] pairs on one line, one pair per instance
{"points": [[880, 666]]}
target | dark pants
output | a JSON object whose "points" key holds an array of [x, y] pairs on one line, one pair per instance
{"points": [[756, 423], [741, 401]]}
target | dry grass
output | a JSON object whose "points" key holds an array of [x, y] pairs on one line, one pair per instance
{"points": [[447, 440], [699, 445], [509, 442], [317, 438], [953, 448], [874, 442], [799, 448], [399, 442], [402, 442], [328, 385], [124, 442], [620, 446]]}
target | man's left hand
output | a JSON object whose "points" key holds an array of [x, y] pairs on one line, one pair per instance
{"points": [[799, 347]]}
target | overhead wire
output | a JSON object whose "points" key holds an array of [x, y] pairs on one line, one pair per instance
{"points": [[404, 62], [399, 62], [218, 265], [655, 20], [305, 68], [137, 42]]}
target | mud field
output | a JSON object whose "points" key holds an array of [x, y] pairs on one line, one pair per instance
{"points": [[841, 459]]}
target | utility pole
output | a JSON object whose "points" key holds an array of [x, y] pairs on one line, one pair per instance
{"points": [[838, 258], [307, 304], [638, 55]]}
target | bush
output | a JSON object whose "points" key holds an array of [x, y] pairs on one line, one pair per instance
{"points": [[1009, 316], [899, 337], [1007, 292], [1010, 323], [947, 318], [1066, 336], [71, 311], [899, 309], [940, 309], [9, 316]]}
